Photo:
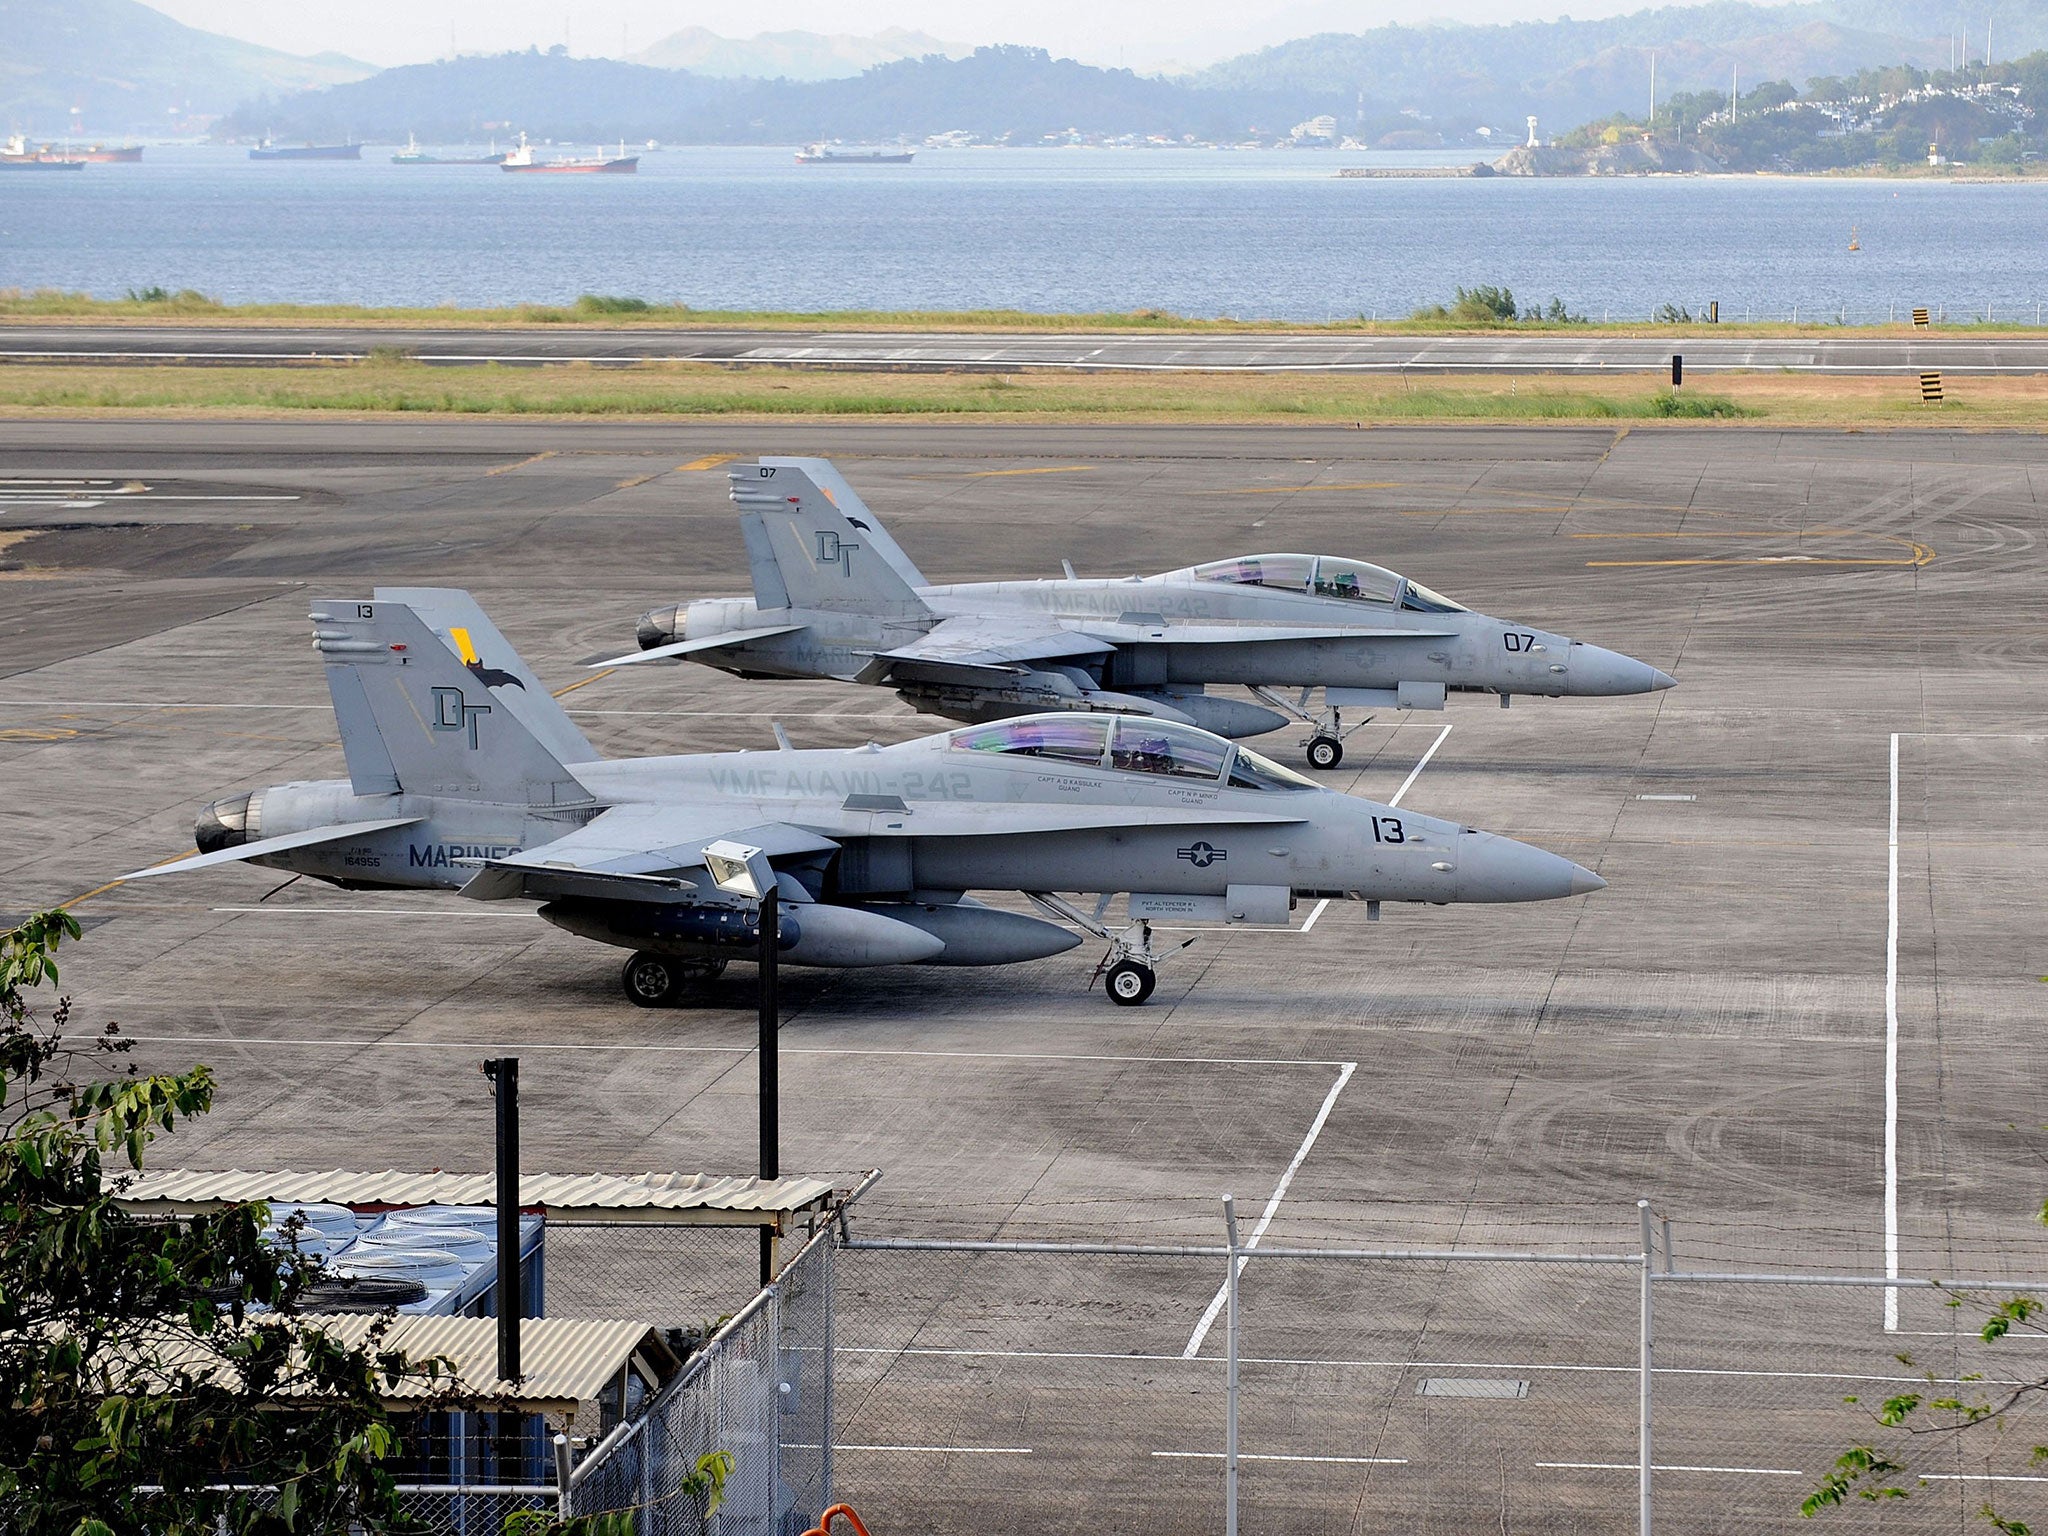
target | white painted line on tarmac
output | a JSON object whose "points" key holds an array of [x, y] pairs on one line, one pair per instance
{"points": [[1421, 763], [1891, 1054], [1308, 1142], [736, 1049], [1979, 1477], [1631, 1466], [1631, 1370], [325, 707], [1320, 908], [1349, 1461], [1667, 797], [948, 1450], [492, 917]]}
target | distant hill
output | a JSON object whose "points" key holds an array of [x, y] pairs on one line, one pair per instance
{"points": [[477, 97], [789, 55], [1568, 72], [1020, 93], [129, 69]]}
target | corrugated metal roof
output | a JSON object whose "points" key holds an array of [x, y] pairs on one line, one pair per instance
{"points": [[568, 1362], [682, 1198]]}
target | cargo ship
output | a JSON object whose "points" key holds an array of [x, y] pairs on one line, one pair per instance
{"points": [[412, 154], [268, 151], [16, 155], [522, 159], [852, 154], [102, 154]]}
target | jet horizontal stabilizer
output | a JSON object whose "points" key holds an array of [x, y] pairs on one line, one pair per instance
{"points": [[278, 844], [690, 647]]}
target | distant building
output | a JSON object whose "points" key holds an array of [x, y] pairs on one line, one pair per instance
{"points": [[1317, 131]]}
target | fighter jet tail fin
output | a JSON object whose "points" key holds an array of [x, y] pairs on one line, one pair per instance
{"points": [[808, 552], [420, 714]]}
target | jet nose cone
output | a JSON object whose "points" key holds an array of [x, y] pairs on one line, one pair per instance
{"points": [[1593, 671], [1496, 868]]}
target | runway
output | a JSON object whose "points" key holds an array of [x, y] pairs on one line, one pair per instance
{"points": [[1250, 352], [1711, 1032]]}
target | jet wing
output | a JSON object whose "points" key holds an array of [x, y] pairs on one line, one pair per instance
{"points": [[279, 844], [1124, 632], [633, 852], [979, 649], [691, 647]]}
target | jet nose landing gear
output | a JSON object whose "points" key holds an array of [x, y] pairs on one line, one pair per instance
{"points": [[1325, 751], [1128, 983]]}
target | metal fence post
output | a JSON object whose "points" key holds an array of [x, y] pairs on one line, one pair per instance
{"points": [[1230, 1369], [1643, 1346], [562, 1496]]}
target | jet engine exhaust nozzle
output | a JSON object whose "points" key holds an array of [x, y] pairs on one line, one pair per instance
{"points": [[660, 626], [229, 823]]}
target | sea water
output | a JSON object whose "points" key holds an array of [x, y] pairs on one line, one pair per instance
{"points": [[1250, 234]]}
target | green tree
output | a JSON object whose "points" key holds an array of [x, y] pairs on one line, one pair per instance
{"points": [[158, 1376]]}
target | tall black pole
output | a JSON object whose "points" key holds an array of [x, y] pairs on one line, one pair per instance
{"points": [[503, 1072], [771, 1077]]}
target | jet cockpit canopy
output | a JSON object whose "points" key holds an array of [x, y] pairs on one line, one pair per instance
{"points": [[1355, 581], [1128, 744]]}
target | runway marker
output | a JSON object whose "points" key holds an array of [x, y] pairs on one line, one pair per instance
{"points": [[584, 682], [493, 917], [1667, 797], [947, 1450], [1353, 1461], [709, 461], [1891, 1052], [1273, 1204], [1323, 906]]}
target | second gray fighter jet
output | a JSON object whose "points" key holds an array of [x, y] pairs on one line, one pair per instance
{"points": [[836, 597]]}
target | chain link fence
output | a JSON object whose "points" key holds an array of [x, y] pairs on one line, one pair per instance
{"points": [[758, 1392], [1013, 1387]]}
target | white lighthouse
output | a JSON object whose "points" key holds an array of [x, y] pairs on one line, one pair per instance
{"points": [[1532, 134]]}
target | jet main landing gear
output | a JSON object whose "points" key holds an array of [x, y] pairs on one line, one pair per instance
{"points": [[666, 981]]}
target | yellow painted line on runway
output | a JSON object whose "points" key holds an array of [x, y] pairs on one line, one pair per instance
{"points": [[506, 469], [709, 461], [627, 485], [1490, 512], [997, 474], [101, 890], [1291, 490], [586, 682], [1918, 554]]}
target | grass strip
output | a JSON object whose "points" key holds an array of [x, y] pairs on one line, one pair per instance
{"points": [[187, 307], [396, 387]]}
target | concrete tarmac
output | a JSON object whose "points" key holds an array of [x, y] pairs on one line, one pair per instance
{"points": [[1714, 1032], [1249, 352]]}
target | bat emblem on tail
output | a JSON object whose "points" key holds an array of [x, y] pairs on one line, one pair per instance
{"points": [[490, 677]]}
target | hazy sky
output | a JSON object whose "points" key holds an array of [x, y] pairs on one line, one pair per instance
{"points": [[1142, 34]]}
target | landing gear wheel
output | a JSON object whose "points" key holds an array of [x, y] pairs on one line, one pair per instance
{"points": [[1129, 983], [1325, 752], [652, 981]]}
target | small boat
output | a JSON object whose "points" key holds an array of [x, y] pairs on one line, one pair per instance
{"points": [[269, 151], [522, 159], [412, 154], [853, 154]]}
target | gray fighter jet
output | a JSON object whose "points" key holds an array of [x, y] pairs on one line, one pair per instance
{"points": [[836, 597], [465, 775]]}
